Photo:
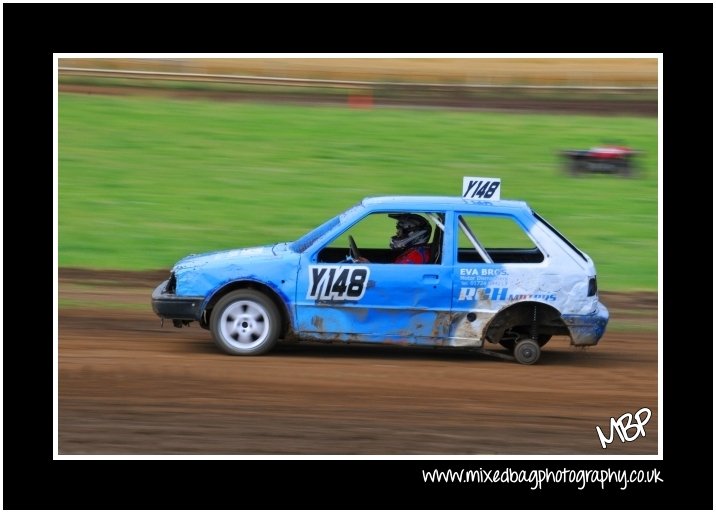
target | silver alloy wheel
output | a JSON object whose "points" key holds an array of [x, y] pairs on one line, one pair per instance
{"points": [[244, 324]]}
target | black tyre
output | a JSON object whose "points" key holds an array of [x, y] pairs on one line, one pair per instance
{"points": [[509, 343], [576, 167], [527, 351], [625, 168], [245, 322]]}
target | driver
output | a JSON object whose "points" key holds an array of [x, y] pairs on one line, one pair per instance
{"points": [[411, 239]]}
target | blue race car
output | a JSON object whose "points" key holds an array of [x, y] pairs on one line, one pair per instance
{"points": [[430, 271]]}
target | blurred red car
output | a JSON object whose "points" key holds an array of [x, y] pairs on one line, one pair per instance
{"points": [[607, 159]]}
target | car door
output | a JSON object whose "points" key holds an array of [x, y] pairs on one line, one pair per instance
{"points": [[374, 301], [496, 263]]}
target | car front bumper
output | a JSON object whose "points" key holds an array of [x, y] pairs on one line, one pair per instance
{"points": [[587, 330], [171, 306]]}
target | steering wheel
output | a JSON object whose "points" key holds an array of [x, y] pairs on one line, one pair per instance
{"points": [[355, 254]]}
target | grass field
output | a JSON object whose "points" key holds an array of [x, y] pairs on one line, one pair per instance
{"points": [[143, 182]]}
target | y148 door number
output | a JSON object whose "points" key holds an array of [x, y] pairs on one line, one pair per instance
{"points": [[337, 282]]}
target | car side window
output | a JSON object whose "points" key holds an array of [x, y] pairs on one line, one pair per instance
{"points": [[372, 237], [494, 239]]}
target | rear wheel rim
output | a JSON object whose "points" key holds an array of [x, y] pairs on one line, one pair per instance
{"points": [[527, 352]]}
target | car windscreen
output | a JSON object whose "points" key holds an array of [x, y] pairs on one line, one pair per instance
{"points": [[301, 244], [304, 242]]}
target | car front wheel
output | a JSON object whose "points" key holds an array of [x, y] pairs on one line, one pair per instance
{"points": [[245, 322]]}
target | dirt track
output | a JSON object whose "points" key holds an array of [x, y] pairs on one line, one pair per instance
{"points": [[453, 100], [129, 386]]}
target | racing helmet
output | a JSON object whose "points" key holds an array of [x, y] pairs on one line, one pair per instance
{"points": [[411, 230]]}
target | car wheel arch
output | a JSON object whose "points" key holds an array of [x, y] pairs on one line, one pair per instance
{"points": [[521, 315], [227, 288]]}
